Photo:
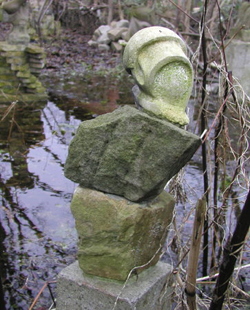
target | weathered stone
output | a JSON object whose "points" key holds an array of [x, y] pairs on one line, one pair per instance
{"points": [[116, 33], [116, 235], [103, 47], [117, 47], [156, 58], [6, 47], [38, 61], [23, 74], [18, 11], [7, 79], [35, 71], [16, 61], [101, 30], [8, 84], [31, 80], [34, 49], [17, 67], [128, 153], [16, 73], [105, 34], [238, 55], [123, 23], [36, 65], [150, 291], [92, 43], [101, 34], [12, 54], [5, 70], [103, 39]]}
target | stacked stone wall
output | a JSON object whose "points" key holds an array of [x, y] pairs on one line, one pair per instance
{"points": [[20, 67]]}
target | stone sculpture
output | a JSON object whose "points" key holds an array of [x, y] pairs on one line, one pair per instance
{"points": [[18, 11], [156, 58], [123, 160]]}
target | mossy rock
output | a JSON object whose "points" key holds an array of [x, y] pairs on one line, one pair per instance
{"points": [[116, 235], [128, 153]]}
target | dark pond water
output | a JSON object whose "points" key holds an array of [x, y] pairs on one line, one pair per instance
{"points": [[37, 232]]}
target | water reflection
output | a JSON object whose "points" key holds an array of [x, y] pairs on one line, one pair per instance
{"points": [[36, 225], [36, 222]]}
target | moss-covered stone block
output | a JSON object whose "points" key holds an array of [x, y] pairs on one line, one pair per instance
{"points": [[34, 49], [6, 47], [8, 84], [13, 54], [16, 60], [19, 67], [116, 235], [128, 153]]}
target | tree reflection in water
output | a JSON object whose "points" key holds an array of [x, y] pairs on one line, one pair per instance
{"points": [[37, 229]]}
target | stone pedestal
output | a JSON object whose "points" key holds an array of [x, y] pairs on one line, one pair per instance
{"points": [[150, 291]]}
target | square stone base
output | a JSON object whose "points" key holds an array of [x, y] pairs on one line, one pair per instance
{"points": [[150, 291]]}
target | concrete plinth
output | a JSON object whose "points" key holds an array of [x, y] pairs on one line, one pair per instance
{"points": [[150, 291]]}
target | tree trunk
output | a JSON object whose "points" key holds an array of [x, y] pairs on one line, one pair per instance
{"points": [[110, 10], [120, 10], [187, 8], [231, 253]]}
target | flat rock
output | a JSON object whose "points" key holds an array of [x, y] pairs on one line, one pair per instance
{"points": [[128, 153]]}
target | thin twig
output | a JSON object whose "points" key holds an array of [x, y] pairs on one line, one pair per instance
{"points": [[40, 292], [8, 110], [200, 280]]}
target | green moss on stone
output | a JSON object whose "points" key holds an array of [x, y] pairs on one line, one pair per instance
{"points": [[116, 235]]}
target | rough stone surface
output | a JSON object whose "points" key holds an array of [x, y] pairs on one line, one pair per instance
{"points": [[122, 23], [128, 153], [151, 291], [116, 33], [238, 55], [106, 35], [156, 58], [117, 47], [21, 65], [116, 235]]}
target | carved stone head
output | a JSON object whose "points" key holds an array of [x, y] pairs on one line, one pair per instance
{"points": [[156, 58]]}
